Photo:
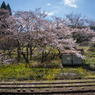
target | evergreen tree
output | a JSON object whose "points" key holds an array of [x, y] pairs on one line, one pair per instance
{"points": [[8, 8], [3, 5]]}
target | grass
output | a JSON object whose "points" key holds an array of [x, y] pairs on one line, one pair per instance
{"points": [[90, 60], [21, 72]]}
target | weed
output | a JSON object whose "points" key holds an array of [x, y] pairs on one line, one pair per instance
{"points": [[52, 87], [64, 86], [53, 80], [41, 88], [6, 89], [93, 85], [78, 88]]}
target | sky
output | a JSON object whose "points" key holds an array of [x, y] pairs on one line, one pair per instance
{"points": [[59, 8]]}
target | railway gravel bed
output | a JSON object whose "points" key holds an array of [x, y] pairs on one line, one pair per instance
{"points": [[56, 87]]}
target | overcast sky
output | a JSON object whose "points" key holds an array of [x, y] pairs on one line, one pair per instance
{"points": [[57, 8]]}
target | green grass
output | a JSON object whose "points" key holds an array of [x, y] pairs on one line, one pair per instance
{"points": [[21, 72], [90, 60]]}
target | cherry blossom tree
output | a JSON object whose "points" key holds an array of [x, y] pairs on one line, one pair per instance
{"points": [[76, 20], [51, 37], [4, 60], [3, 15], [81, 27], [5, 42], [33, 23], [16, 28], [30, 29], [23, 27], [83, 34]]}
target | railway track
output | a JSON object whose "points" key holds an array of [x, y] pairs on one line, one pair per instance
{"points": [[49, 87]]}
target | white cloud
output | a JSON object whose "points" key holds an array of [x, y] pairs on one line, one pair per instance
{"points": [[49, 4], [51, 13], [46, 13], [41, 11], [70, 3]]}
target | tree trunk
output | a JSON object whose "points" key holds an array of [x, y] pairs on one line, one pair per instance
{"points": [[27, 51], [30, 53], [42, 59], [18, 57], [9, 53], [18, 53], [54, 54], [27, 61]]}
